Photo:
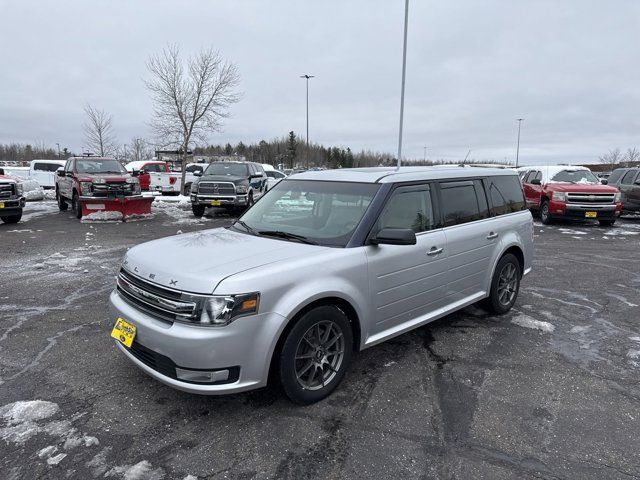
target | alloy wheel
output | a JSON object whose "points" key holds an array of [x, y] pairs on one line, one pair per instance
{"points": [[319, 355], [507, 284]]}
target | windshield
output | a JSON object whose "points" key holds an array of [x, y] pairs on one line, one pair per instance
{"points": [[229, 169], [575, 176], [102, 165], [326, 213]]}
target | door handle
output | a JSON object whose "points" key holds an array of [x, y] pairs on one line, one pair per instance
{"points": [[434, 251], [492, 235]]}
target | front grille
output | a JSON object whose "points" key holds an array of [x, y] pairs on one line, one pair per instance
{"points": [[164, 365], [7, 190], [216, 188], [591, 198], [112, 189], [157, 301]]}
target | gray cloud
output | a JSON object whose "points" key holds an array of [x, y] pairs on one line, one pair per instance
{"points": [[570, 68]]}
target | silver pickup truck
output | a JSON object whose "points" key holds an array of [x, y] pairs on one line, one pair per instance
{"points": [[326, 264]]}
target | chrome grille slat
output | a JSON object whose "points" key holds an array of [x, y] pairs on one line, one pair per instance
{"points": [[158, 301], [6, 191], [223, 188], [591, 198]]}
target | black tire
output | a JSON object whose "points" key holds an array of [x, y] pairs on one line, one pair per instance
{"points": [[335, 326], [545, 215], [496, 301], [187, 189], [606, 223], [12, 218], [75, 205], [62, 204], [250, 201], [198, 210]]}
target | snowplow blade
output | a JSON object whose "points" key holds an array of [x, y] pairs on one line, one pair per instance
{"points": [[116, 209]]}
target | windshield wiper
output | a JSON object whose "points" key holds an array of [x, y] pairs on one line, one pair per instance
{"points": [[287, 235], [246, 227]]}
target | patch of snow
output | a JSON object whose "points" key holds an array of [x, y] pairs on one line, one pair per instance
{"points": [[634, 339], [47, 451], [570, 231], [633, 354], [580, 329], [102, 216], [57, 459], [190, 477], [28, 411], [622, 299], [528, 322], [388, 364], [140, 471]]}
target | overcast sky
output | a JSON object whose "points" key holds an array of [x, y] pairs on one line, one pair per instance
{"points": [[570, 68]]}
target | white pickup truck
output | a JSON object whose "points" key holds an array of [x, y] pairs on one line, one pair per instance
{"points": [[170, 183], [42, 171]]}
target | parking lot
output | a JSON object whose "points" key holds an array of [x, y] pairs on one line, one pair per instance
{"points": [[549, 390]]}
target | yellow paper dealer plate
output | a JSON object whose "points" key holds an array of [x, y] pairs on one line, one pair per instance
{"points": [[124, 332], [590, 214], [215, 203]]}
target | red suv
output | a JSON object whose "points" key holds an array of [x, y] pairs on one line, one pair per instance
{"points": [[572, 193]]}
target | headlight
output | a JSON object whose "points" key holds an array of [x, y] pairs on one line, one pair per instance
{"points": [[194, 188], [100, 181], [617, 197], [85, 188], [219, 311], [19, 188], [559, 197], [241, 189], [132, 180]]}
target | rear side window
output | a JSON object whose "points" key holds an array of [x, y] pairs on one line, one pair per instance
{"points": [[615, 175], [506, 195], [628, 177], [408, 207], [462, 202], [46, 167]]}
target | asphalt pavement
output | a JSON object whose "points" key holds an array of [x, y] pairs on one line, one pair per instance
{"points": [[549, 390]]}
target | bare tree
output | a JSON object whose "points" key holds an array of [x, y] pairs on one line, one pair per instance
{"points": [[190, 98], [632, 155], [612, 157], [98, 131], [139, 149]]}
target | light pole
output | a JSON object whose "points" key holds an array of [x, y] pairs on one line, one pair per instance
{"points": [[425, 154], [58, 150], [307, 77], [404, 72], [518, 148]]}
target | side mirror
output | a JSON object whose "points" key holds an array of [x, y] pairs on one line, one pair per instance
{"points": [[535, 181], [197, 173], [60, 172], [135, 173], [637, 182], [604, 181], [256, 175], [395, 236]]}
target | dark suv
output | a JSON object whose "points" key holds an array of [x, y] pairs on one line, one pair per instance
{"points": [[628, 182], [231, 185]]}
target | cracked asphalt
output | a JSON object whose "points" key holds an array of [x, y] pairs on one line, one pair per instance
{"points": [[548, 391]]}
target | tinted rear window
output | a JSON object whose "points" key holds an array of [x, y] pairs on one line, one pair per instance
{"points": [[506, 194], [616, 175], [460, 202]]}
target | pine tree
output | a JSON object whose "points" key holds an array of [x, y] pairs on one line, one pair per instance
{"points": [[292, 146]]}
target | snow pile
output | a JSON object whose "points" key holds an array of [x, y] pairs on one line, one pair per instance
{"points": [[32, 190], [528, 322], [21, 419], [102, 216], [140, 471], [62, 262]]}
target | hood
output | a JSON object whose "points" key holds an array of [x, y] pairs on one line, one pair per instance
{"points": [[223, 178], [581, 187], [197, 262], [108, 177], [7, 179]]}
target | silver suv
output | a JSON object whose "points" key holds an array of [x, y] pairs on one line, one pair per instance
{"points": [[326, 264]]}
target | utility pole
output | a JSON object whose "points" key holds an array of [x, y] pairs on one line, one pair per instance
{"points": [[425, 154], [404, 72], [58, 150], [307, 77], [518, 148]]}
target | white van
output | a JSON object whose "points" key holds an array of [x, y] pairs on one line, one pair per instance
{"points": [[44, 171]]}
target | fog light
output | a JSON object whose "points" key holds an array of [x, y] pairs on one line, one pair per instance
{"points": [[202, 376]]}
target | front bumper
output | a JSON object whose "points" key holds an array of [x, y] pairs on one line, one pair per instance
{"points": [[243, 347], [12, 206], [225, 200], [574, 211]]}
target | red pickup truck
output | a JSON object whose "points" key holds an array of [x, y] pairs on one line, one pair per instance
{"points": [[97, 184], [572, 193]]}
